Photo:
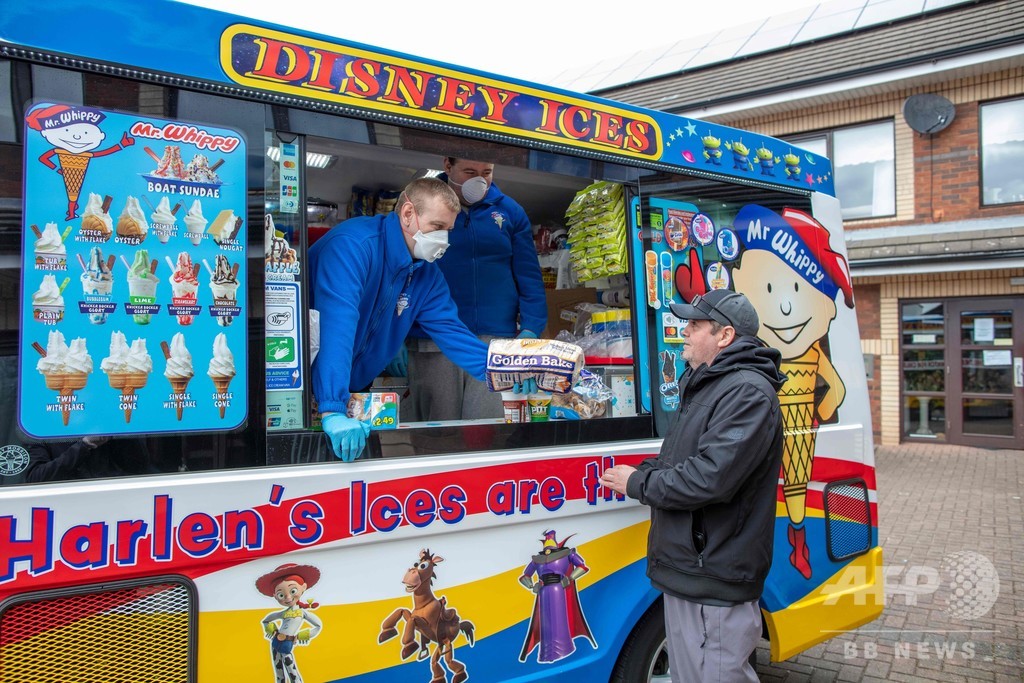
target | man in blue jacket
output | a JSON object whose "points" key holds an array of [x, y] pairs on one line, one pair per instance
{"points": [[372, 278], [492, 271]]}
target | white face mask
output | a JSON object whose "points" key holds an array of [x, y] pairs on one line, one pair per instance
{"points": [[473, 190], [430, 246]]}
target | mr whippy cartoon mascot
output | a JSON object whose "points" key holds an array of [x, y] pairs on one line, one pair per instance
{"points": [[792, 278], [74, 133]]}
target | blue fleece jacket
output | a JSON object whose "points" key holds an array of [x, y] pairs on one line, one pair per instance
{"points": [[492, 270], [359, 270]]}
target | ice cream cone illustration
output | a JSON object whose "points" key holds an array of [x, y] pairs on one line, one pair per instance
{"points": [[195, 223], [74, 166], [127, 369], [796, 309], [163, 220], [222, 371], [127, 383], [75, 133], [97, 225], [66, 384], [132, 226], [65, 369], [180, 386], [179, 371]]}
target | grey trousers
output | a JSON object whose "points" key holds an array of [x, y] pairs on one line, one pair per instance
{"points": [[441, 390], [710, 644]]}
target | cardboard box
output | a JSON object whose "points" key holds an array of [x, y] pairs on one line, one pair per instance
{"points": [[562, 308]]}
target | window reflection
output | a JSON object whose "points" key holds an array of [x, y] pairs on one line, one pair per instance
{"points": [[1002, 148]]}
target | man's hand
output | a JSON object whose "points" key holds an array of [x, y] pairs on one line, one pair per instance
{"points": [[348, 436], [95, 441], [616, 477], [526, 334]]}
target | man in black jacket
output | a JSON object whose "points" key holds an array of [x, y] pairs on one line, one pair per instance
{"points": [[712, 491]]}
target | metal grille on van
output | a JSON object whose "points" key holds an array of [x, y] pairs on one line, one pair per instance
{"points": [[847, 518], [116, 633]]}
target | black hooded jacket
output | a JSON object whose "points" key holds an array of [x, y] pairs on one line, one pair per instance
{"points": [[712, 489]]}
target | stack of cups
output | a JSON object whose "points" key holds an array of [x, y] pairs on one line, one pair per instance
{"points": [[598, 329]]}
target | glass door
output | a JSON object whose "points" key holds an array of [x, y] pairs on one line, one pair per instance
{"points": [[985, 400]]}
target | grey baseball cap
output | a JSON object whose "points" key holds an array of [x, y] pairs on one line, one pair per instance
{"points": [[723, 306]]}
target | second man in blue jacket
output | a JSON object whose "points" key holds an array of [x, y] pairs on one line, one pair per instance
{"points": [[493, 274]]}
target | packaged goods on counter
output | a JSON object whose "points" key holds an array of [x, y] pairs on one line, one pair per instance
{"points": [[378, 409], [555, 365]]}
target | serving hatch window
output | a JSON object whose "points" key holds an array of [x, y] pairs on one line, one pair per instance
{"points": [[509, 267]]}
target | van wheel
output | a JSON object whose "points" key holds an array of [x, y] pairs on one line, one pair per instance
{"points": [[644, 657]]}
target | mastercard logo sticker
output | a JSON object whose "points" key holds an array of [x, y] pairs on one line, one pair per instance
{"points": [[289, 164]]}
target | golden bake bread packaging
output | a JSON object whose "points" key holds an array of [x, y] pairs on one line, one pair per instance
{"points": [[554, 364]]}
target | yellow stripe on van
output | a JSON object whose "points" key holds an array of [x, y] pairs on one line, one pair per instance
{"points": [[851, 597]]}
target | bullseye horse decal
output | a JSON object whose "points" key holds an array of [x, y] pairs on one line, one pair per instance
{"points": [[431, 619]]}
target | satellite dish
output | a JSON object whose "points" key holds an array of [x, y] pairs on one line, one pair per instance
{"points": [[928, 113]]}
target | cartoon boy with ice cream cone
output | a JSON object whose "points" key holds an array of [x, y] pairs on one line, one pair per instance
{"points": [[74, 133], [792, 278]]}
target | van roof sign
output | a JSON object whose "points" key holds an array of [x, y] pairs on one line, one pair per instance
{"points": [[309, 70]]}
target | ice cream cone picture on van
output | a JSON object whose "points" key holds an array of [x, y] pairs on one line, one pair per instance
{"points": [[74, 132], [179, 373], [792, 278]]}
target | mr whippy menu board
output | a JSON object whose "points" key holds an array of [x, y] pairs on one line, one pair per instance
{"points": [[133, 275]]}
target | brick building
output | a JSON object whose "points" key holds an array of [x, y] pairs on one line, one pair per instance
{"points": [[934, 217]]}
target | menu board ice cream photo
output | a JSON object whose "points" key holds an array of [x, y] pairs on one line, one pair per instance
{"points": [[129, 210]]}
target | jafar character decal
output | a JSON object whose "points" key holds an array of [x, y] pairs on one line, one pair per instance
{"points": [[431, 619], [792, 278], [557, 615], [74, 133], [287, 628]]}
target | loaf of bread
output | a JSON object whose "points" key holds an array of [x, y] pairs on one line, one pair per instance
{"points": [[554, 364]]}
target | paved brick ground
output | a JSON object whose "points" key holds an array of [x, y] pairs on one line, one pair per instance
{"points": [[934, 502]]}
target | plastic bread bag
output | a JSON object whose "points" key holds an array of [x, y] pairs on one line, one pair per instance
{"points": [[588, 399], [554, 364], [592, 388]]}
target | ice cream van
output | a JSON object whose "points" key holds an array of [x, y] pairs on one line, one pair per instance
{"points": [[169, 508]]}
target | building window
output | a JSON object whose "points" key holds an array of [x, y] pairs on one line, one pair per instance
{"points": [[864, 164], [923, 332], [1002, 148]]}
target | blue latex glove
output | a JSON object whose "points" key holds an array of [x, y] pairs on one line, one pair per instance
{"points": [[527, 386], [399, 365], [348, 435], [526, 334]]}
